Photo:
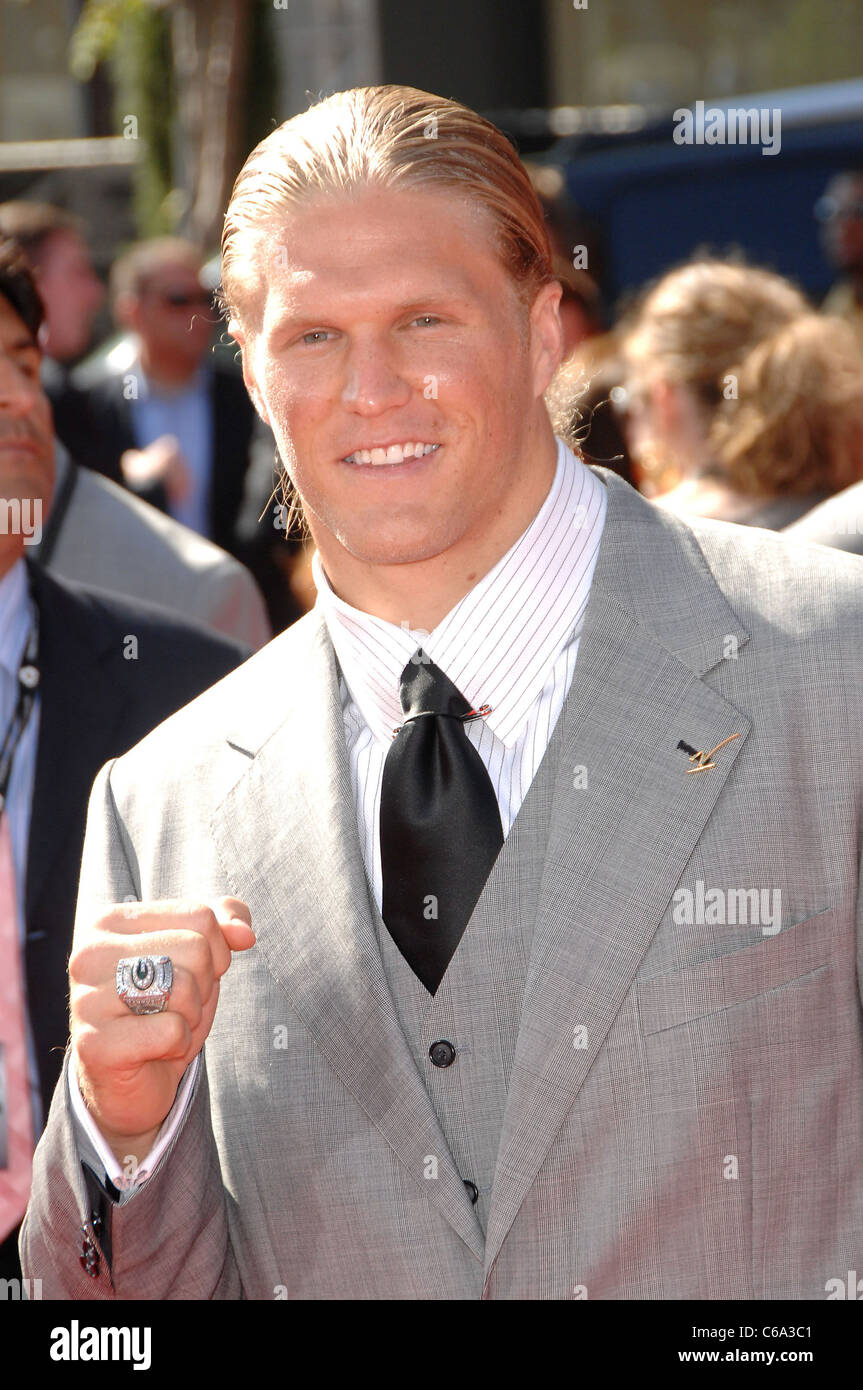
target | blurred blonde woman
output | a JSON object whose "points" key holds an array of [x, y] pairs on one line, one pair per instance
{"points": [[742, 403]]}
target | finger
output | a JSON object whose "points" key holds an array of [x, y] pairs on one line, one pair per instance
{"points": [[166, 449], [165, 916], [126, 1043], [95, 1005], [132, 465], [94, 965], [202, 1032], [235, 920]]}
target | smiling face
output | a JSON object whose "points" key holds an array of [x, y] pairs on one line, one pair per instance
{"points": [[26, 429], [379, 321]]}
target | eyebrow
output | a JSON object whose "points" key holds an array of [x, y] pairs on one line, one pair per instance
{"points": [[437, 300]]}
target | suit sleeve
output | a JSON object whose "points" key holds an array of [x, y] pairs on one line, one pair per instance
{"points": [[95, 1148], [169, 1239]]}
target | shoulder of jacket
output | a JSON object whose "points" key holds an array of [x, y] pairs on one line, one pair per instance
{"points": [[765, 570], [256, 693]]}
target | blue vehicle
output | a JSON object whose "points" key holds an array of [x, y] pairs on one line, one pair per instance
{"points": [[656, 201]]}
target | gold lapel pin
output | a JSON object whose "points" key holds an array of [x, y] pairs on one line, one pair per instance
{"points": [[702, 760]]}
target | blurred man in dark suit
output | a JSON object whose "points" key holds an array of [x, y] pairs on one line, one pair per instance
{"points": [[54, 244], [53, 241], [83, 676], [168, 419]]}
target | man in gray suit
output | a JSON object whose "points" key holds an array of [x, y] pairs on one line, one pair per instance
{"points": [[100, 534], [97, 533], [547, 820]]}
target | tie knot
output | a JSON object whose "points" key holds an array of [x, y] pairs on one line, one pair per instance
{"points": [[424, 689]]}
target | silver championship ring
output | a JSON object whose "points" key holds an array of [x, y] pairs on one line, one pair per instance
{"points": [[144, 983]]}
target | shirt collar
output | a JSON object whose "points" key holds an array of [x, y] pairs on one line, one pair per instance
{"points": [[14, 616], [499, 642]]}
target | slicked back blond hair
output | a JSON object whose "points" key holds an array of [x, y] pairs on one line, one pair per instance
{"points": [[390, 137]]}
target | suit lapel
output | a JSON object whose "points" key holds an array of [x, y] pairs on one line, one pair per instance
{"points": [[77, 717], [291, 817], [626, 813], [116, 430]]}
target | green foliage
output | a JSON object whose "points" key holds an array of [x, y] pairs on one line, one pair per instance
{"points": [[134, 37], [97, 34]]}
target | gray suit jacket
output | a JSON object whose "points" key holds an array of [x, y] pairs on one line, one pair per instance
{"points": [[110, 539], [683, 1110]]}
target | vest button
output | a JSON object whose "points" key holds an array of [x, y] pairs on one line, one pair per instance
{"points": [[442, 1053], [472, 1190]]}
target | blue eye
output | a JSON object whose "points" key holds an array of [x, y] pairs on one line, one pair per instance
{"points": [[427, 319], [317, 335]]}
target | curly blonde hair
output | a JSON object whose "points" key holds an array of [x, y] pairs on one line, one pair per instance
{"points": [[797, 424], [780, 386]]}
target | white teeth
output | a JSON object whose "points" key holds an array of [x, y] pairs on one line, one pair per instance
{"points": [[393, 453]]}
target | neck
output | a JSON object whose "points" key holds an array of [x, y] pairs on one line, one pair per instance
{"points": [[167, 371], [423, 592]]}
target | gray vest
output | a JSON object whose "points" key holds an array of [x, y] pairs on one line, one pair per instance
{"points": [[488, 970]]}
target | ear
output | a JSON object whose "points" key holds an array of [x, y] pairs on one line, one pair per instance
{"points": [[546, 335], [249, 378]]}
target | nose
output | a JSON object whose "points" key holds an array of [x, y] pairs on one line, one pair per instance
{"points": [[373, 381], [18, 392]]}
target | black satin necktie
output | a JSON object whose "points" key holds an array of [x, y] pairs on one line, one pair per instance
{"points": [[440, 823]]}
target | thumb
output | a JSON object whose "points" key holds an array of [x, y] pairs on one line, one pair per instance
{"points": [[235, 919]]}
